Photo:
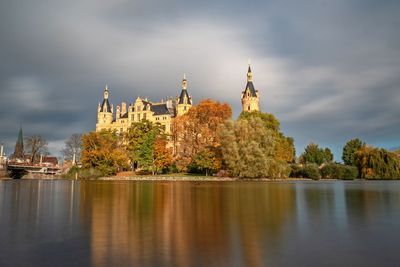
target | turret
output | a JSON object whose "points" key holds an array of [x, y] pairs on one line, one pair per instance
{"points": [[250, 96], [105, 112], [184, 101]]}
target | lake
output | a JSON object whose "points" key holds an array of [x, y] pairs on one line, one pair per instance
{"points": [[135, 223]]}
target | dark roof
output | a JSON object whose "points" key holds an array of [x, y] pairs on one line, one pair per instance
{"points": [[182, 96], [125, 116], [160, 109], [250, 87], [104, 105]]}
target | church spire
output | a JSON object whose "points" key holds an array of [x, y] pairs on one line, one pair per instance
{"points": [[19, 146]]}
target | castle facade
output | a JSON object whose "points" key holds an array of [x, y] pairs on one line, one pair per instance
{"points": [[161, 112], [142, 109]]}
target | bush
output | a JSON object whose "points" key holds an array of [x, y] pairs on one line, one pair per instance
{"points": [[305, 171], [311, 171], [350, 173], [84, 173], [338, 171]]}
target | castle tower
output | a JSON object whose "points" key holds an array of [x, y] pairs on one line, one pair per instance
{"points": [[184, 101], [250, 97], [104, 113]]}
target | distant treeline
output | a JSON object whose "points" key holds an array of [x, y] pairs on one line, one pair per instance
{"points": [[206, 140]]}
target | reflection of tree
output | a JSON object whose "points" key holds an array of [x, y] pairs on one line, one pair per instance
{"points": [[184, 224]]}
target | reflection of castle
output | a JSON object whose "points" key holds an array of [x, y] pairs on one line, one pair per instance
{"points": [[161, 112], [142, 109]]}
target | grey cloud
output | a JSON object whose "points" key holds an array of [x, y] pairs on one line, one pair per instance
{"points": [[327, 69]]}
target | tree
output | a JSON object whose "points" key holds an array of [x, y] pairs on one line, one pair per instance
{"points": [[103, 151], [375, 163], [284, 146], [313, 154], [197, 130], [147, 146], [36, 145], [162, 156], [206, 161], [73, 146], [248, 149], [349, 150]]}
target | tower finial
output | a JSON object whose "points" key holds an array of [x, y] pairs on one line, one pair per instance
{"points": [[249, 73], [106, 92], [184, 82], [248, 61]]}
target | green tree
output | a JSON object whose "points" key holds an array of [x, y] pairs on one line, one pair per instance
{"points": [[314, 154], [248, 149], [206, 161], [284, 146], [349, 150], [146, 145]]}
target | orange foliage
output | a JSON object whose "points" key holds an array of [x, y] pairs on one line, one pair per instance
{"points": [[198, 129]]}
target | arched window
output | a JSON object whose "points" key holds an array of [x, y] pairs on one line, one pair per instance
{"points": [[248, 108]]}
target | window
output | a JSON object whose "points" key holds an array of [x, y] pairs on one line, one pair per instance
{"points": [[184, 108], [138, 117], [144, 116], [248, 108]]}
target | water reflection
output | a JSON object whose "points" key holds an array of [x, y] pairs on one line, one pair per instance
{"points": [[122, 223]]}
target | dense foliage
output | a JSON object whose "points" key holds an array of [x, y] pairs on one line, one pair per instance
{"points": [[338, 171], [350, 149], [248, 149], [309, 170], [104, 152], [146, 145], [375, 163], [196, 136], [284, 146], [314, 154]]}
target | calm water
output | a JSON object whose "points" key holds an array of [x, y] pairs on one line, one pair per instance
{"points": [[126, 223]]}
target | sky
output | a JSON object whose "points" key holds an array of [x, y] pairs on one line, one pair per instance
{"points": [[328, 70]]}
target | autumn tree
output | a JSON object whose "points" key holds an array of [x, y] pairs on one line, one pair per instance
{"points": [[198, 129], [162, 156], [350, 149], [36, 145], [248, 149], [375, 163], [104, 151], [73, 146], [314, 154]]}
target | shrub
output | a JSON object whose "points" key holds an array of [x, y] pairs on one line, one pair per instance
{"points": [[338, 171], [84, 173], [311, 171], [305, 171]]}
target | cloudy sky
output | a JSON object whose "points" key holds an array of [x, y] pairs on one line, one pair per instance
{"points": [[329, 70]]}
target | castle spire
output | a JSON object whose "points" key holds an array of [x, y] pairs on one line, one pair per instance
{"points": [[106, 92], [184, 82], [249, 73]]}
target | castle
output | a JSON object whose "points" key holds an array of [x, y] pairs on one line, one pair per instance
{"points": [[161, 112]]}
